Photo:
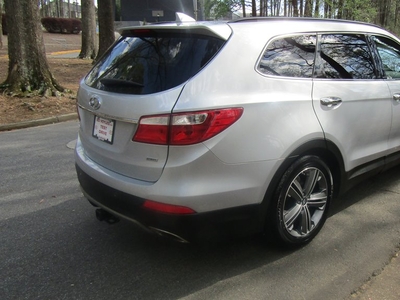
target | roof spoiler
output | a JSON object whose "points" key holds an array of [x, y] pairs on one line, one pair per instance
{"points": [[181, 17]]}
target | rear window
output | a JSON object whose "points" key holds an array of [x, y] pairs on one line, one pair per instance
{"points": [[150, 62]]}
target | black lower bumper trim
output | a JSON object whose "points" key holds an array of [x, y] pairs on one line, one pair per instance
{"points": [[226, 223]]}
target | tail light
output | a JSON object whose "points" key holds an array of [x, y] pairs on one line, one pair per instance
{"points": [[185, 128]]}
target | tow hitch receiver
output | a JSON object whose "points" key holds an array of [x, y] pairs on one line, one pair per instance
{"points": [[103, 215]]}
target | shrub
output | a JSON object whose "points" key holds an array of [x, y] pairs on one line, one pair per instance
{"points": [[62, 25], [4, 24]]}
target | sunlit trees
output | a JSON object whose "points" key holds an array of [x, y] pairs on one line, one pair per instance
{"points": [[382, 12]]}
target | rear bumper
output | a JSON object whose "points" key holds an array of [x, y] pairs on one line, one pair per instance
{"points": [[224, 223]]}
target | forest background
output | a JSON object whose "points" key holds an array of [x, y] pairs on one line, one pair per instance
{"points": [[34, 84]]}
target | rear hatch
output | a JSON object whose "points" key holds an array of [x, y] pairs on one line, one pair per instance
{"points": [[142, 74]]}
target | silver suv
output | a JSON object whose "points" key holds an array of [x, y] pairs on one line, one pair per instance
{"points": [[197, 130]]}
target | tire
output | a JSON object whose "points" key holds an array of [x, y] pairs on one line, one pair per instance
{"points": [[301, 201]]}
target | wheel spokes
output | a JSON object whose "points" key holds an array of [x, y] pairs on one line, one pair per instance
{"points": [[291, 215], [312, 177], [318, 200], [305, 202], [306, 222], [296, 190]]}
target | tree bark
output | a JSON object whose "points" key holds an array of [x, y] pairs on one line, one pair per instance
{"points": [[28, 70], [285, 10], [316, 10], [106, 26], [327, 10], [340, 9], [89, 37], [396, 13], [57, 8], [1, 26], [61, 7], [301, 8], [45, 8], [253, 8], [308, 8], [295, 8]]}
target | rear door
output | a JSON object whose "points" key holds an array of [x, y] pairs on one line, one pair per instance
{"points": [[350, 102], [389, 52]]}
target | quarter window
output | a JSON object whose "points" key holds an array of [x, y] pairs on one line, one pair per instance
{"points": [[345, 56], [389, 53], [290, 57]]}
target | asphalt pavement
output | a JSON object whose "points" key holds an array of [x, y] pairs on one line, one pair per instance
{"points": [[383, 282]]}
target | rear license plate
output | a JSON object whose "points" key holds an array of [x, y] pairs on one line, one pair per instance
{"points": [[103, 129]]}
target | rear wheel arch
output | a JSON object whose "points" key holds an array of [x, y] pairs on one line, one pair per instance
{"points": [[334, 160], [325, 150]]}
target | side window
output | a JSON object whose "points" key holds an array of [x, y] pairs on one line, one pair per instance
{"points": [[345, 56], [289, 56], [389, 52]]}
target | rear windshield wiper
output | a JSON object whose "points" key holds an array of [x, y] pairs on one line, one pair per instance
{"points": [[120, 82]]}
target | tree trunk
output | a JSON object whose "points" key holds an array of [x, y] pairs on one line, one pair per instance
{"points": [[106, 26], [1, 26], [382, 10], [61, 6], [316, 10], [295, 8], [253, 8], [28, 70], [340, 9], [327, 10], [285, 10], [308, 8], [301, 8], [45, 8], [243, 8], [89, 37], [41, 8], [57, 8], [396, 13]]}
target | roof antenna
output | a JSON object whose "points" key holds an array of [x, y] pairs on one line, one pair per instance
{"points": [[181, 17]]}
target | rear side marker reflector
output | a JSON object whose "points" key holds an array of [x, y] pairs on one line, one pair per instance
{"points": [[185, 128], [167, 208]]}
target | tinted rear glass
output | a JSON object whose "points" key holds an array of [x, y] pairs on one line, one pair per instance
{"points": [[289, 56], [150, 62], [346, 56]]}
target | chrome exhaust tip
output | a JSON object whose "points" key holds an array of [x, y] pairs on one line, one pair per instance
{"points": [[168, 234]]}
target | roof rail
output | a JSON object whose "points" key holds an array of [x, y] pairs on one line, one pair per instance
{"points": [[265, 19]]}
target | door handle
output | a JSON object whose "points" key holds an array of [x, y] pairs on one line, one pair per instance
{"points": [[396, 97], [331, 101]]}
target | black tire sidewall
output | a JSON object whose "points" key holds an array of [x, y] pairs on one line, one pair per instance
{"points": [[279, 228]]}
